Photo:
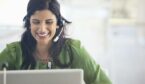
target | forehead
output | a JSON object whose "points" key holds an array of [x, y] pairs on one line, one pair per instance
{"points": [[43, 14]]}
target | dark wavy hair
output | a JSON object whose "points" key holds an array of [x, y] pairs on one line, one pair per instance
{"points": [[28, 43]]}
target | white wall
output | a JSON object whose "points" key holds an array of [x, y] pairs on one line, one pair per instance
{"points": [[11, 20], [126, 41]]}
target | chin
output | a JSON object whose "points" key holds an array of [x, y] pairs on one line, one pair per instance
{"points": [[44, 42]]}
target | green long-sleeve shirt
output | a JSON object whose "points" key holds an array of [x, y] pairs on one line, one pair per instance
{"points": [[93, 74]]}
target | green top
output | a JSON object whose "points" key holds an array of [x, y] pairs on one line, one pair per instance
{"points": [[93, 74]]}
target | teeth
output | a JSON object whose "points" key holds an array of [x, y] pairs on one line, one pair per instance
{"points": [[45, 34]]}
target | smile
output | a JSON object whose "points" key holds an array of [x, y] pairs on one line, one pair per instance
{"points": [[42, 35]]}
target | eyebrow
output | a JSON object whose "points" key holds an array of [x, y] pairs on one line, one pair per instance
{"points": [[45, 20]]}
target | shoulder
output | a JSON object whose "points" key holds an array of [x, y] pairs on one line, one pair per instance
{"points": [[73, 42], [82, 58], [76, 47], [80, 53], [11, 54], [14, 46]]}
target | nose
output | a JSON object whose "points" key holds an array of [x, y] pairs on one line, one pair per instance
{"points": [[43, 27]]}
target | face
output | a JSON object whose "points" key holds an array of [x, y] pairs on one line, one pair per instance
{"points": [[43, 25]]}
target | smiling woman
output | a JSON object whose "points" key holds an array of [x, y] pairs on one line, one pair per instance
{"points": [[39, 48], [43, 26]]}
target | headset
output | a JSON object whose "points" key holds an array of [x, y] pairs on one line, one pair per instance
{"points": [[57, 37], [61, 25]]}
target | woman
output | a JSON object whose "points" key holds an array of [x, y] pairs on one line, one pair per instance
{"points": [[43, 45]]}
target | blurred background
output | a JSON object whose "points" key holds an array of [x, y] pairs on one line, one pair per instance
{"points": [[113, 32]]}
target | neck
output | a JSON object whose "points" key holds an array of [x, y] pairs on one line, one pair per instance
{"points": [[42, 50]]}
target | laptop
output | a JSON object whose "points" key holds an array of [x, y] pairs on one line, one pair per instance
{"points": [[51, 76]]}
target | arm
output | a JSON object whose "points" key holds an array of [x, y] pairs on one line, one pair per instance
{"points": [[11, 55], [93, 74], [5, 58]]}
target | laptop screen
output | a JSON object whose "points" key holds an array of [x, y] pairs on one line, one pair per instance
{"points": [[51, 76]]}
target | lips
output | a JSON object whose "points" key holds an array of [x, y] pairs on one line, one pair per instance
{"points": [[42, 35]]}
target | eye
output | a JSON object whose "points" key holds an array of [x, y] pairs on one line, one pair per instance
{"points": [[36, 22], [49, 22]]}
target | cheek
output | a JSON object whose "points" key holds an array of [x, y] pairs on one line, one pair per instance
{"points": [[55, 29], [33, 30]]}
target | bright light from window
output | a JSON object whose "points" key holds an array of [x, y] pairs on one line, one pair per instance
{"points": [[12, 11]]}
